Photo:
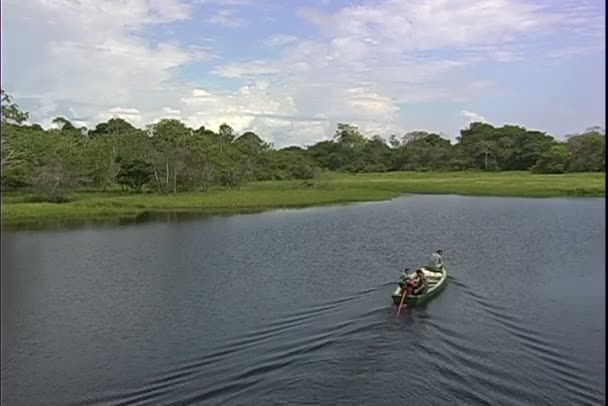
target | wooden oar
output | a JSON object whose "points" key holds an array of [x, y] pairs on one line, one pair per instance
{"points": [[401, 303]]}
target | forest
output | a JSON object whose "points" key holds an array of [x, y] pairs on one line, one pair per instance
{"points": [[168, 157]]}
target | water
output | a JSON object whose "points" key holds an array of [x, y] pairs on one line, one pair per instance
{"points": [[293, 307]]}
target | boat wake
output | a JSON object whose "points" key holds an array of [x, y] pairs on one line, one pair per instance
{"points": [[351, 338]]}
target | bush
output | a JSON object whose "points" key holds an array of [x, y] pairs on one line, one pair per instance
{"points": [[375, 168], [304, 171], [56, 198]]}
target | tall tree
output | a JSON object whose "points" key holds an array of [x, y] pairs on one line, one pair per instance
{"points": [[169, 139], [587, 152]]}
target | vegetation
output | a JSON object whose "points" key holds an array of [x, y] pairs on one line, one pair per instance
{"points": [[132, 170], [326, 189]]}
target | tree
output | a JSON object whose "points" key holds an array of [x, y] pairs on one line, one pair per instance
{"points": [[226, 132], [413, 136], [55, 166], [377, 155], [114, 126], [587, 152], [135, 174], [554, 161], [226, 135], [349, 136], [64, 124], [595, 129], [255, 153], [485, 155], [169, 140], [11, 112], [103, 155], [12, 115], [428, 151], [173, 157], [251, 143]]}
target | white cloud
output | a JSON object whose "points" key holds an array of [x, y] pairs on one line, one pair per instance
{"points": [[125, 111], [132, 115], [200, 93], [433, 24], [383, 45], [472, 117], [86, 54], [168, 111], [228, 18], [364, 64], [279, 40]]}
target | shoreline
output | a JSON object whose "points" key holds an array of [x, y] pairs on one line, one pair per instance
{"points": [[333, 189]]}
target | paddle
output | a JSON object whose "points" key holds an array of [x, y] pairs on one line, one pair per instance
{"points": [[401, 303]]}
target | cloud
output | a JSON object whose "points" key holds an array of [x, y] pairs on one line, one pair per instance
{"points": [[168, 111], [125, 111], [248, 69], [279, 40], [251, 107], [200, 93], [365, 63], [432, 24], [472, 117], [132, 115], [228, 18], [88, 55], [401, 51]]}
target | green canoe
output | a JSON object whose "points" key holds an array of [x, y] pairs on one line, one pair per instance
{"points": [[436, 282]]}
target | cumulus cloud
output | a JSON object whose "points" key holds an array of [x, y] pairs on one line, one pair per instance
{"points": [[472, 117], [433, 24], [386, 46], [363, 63], [86, 55]]}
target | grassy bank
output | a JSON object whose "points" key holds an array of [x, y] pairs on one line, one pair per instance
{"points": [[329, 189]]}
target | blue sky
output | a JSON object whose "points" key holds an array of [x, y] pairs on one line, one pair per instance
{"points": [[291, 70]]}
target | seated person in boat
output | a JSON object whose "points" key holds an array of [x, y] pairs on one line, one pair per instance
{"points": [[420, 282], [436, 262], [417, 284]]}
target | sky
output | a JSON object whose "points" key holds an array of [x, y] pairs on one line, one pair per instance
{"points": [[292, 70]]}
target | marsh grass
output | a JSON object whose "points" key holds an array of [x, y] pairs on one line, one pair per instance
{"points": [[328, 189]]}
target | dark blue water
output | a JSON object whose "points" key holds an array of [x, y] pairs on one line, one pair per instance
{"points": [[293, 307]]}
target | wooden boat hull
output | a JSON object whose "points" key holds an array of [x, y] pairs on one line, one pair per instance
{"points": [[437, 282]]}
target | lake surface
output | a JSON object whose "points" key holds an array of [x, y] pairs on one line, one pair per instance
{"points": [[293, 307]]}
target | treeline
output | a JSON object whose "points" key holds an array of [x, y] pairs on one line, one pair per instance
{"points": [[170, 157]]}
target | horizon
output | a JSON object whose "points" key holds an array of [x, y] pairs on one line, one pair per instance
{"points": [[290, 74]]}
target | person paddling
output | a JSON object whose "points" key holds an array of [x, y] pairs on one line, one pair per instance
{"points": [[419, 283], [415, 285]]}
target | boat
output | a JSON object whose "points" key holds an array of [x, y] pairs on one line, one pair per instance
{"points": [[436, 282]]}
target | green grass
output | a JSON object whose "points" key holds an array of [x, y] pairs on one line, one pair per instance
{"points": [[329, 189]]}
